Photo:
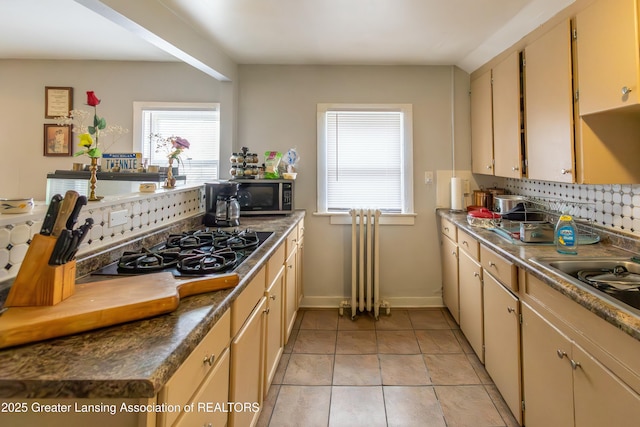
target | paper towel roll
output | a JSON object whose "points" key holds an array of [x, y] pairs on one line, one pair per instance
{"points": [[457, 194]]}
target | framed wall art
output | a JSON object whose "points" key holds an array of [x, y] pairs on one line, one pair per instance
{"points": [[58, 101], [57, 140]]}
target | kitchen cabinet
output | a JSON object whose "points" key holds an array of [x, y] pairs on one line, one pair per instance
{"points": [[549, 106], [204, 376], [449, 253], [482, 125], [564, 385], [247, 367], [274, 345], [502, 342], [608, 55], [211, 399], [290, 279], [300, 264], [508, 131], [470, 300], [497, 125]]}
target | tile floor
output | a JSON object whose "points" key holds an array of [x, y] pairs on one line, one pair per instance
{"points": [[412, 368]]}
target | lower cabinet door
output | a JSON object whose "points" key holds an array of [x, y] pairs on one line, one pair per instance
{"points": [[210, 404], [471, 317], [247, 367], [601, 399], [502, 342], [547, 377], [275, 331]]}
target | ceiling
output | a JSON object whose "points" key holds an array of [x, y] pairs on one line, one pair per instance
{"points": [[466, 33]]}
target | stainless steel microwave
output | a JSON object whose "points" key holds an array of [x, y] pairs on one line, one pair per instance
{"points": [[264, 196]]}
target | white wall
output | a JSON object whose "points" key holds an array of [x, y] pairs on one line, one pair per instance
{"points": [[277, 111], [118, 84]]}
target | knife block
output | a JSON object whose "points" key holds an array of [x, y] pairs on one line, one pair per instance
{"points": [[37, 282]]}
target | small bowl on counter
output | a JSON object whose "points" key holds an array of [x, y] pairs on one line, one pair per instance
{"points": [[16, 206]]}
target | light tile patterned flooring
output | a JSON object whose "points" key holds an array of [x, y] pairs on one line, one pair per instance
{"points": [[412, 368]]}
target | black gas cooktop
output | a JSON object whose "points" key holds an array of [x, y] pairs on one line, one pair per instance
{"points": [[192, 254]]}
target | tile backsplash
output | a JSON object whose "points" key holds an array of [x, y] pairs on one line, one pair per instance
{"points": [[145, 212], [615, 206]]}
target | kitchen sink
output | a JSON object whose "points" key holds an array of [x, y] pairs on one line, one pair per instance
{"points": [[615, 279]]}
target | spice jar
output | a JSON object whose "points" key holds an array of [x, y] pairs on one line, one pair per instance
{"points": [[233, 158], [239, 172], [234, 170], [239, 158]]}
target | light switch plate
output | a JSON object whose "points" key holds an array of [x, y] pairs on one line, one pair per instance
{"points": [[117, 217]]}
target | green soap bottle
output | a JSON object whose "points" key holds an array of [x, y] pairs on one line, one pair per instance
{"points": [[566, 235]]}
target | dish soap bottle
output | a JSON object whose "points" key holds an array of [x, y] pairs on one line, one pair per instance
{"points": [[566, 235]]}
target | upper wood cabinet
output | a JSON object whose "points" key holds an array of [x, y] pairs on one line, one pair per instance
{"points": [[549, 106], [482, 125], [607, 55], [496, 120], [507, 119]]}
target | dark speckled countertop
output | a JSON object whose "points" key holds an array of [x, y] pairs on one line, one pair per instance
{"points": [[611, 245], [132, 360]]}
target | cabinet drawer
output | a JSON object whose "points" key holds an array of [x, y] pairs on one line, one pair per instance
{"points": [[500, 268], [275, 264], [211, 399], [183, 384], [301, 229], [292, 241], [448, 229], [247, 300], [468, 244]]}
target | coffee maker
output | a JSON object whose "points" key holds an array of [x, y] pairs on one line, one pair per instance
{"points": [[223, 209]]}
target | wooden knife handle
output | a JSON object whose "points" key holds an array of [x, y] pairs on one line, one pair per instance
{"points": [[66, 208]]}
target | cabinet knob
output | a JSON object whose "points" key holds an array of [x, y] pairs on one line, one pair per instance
{"points": [[515, 168], [464, 242], [446, 229], [273, 297], [492, 264], [476, 274], [565, 171], [208, 360], [626, 90], [454, 253], [267, 310], [561, 354], [511, 309], [574, 364], [489, 166]]}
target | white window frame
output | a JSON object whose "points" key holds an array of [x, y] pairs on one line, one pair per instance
{"points": [[139, 106], [406, 156]]}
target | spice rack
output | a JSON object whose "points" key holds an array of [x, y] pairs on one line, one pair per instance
{"points": [[244, 165]]}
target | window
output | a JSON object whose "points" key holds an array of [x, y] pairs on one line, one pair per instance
{"points": [[365, 157], [198, 123]]}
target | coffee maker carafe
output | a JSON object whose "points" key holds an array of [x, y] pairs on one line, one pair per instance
{"points": [[227, 211], [223, 209]]}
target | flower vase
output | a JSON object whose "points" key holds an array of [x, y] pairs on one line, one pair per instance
{"points": [[170, 182], [93, 168]]}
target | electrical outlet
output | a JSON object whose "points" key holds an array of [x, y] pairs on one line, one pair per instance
{"points": [[428, 177], [117, 217]]}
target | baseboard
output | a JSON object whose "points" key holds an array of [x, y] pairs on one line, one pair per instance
{"points": [[394, 302]]}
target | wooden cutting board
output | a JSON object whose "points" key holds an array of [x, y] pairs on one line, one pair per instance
{"points": [[105, 303]]}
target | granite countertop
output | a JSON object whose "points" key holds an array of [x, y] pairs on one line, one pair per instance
{"points": [[521, 256], [132, 360]]}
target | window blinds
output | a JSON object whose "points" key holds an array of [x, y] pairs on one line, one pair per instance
{"points": [[200, 127], [364, 160]]}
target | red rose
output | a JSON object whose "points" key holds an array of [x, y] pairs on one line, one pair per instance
{"points": [[92, 99]]}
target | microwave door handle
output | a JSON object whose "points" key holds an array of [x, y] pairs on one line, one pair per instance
{"points": [[280, 196]]}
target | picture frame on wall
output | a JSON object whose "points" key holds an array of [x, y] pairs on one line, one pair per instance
{"points": [[58, 101], [57, 140]]}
